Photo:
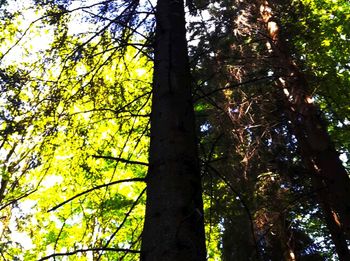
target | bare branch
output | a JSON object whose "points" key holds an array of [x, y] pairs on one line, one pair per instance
{"points": [[22, 36], [18, 199]]}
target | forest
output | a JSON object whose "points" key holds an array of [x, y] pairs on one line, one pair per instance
{"points": [[171, 130]]}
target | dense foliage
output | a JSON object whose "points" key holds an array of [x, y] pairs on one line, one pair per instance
{"points": [[75, 102]]}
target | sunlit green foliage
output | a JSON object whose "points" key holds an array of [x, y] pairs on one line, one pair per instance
{"points": [[72, 120], [321, 37], [74, 117]]}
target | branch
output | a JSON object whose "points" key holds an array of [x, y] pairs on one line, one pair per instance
{"points": [[234, 85], [118, 110], [18, 199], [22, 36], [89, 250], [245, 207], [120, 160], [97, 187], [122, 223]]}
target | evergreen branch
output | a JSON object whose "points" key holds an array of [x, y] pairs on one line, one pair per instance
{"points": [[121, 23], [231, 86], [90, 250], [86, 6], [97, 187]]}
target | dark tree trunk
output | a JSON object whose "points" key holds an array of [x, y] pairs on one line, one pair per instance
{"points": [[174, 228], [329, 177], [337, 235]]}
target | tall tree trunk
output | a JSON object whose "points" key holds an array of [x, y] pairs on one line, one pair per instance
{"points": [[330, 179], [338, 236], [174, 228]]}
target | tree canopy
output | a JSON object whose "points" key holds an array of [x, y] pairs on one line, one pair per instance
{"points": [[125, 134]]}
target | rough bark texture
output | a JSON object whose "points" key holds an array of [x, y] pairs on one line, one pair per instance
{"points": [[174, 227], [329, 177]]}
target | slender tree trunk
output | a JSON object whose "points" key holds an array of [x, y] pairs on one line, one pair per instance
{"points": [[173, 227], [334, 225], [328, 201], [336, 232], [329, 177]]}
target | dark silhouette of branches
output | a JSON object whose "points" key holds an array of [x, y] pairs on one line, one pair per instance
{"points": [[97, 187], [25, 194], [22, 36], [124, 220], [244, 205], [121, 160], [121, 109], [90, 250], [231, 86], [18, 198]]}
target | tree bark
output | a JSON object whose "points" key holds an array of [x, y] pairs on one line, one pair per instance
{"points": [[173, 228], [329, 177], [337, 234]]}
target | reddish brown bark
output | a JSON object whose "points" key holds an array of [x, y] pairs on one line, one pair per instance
{"points": [[333, 224], [329, 176]]}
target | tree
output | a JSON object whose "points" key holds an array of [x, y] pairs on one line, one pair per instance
{"points": [[174, 210], [317, 149], [77, 143], [246, 57], [174, 193]]}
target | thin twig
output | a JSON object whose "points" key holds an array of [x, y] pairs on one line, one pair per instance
{"points": [[123, 222], [121, 160], [245, 207], [90, 250], [97, 187]]}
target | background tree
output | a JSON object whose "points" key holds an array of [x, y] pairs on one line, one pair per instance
{"points": [[240, 58], [75, 127]]}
